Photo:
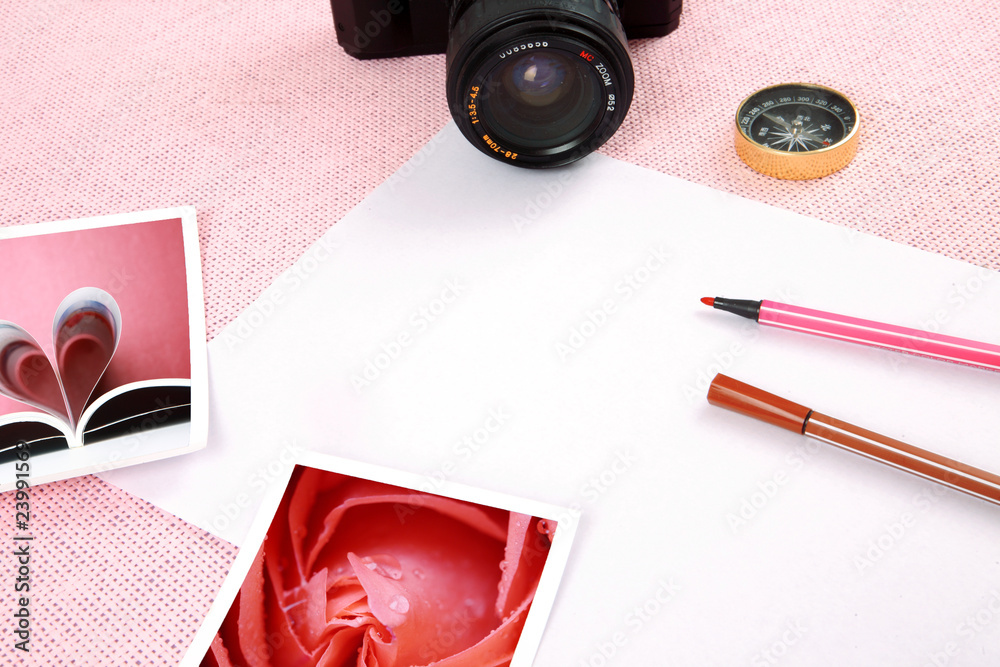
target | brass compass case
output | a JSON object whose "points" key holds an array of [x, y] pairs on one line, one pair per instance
{"points": [[796, 131]]}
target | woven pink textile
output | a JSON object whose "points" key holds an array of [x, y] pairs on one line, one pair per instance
{"points": [[250, 111]]}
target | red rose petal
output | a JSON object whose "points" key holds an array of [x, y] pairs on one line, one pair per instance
{"points": [[283, 642], [343, 597], [342, 648], [230, 632], [306, 610], [251, 611], [524, 557], [494, 650], [449, 567], [323, 497], [547, 528], [217, 655], [405, 505], [386, 597]]}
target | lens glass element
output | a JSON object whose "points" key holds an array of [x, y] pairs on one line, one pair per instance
{"points": [[538, 79], [544, 98]]}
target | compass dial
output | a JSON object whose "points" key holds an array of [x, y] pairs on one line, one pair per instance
{"points": [[777, 126]]}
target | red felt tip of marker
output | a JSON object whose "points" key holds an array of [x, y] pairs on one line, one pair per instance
{"points": [[708, 301]]}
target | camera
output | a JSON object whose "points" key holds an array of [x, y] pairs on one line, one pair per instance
{"points": [[535, 83]]}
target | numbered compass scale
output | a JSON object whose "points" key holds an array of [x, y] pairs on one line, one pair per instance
{"points": [[796, 131]]}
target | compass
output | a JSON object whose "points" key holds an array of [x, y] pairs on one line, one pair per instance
{"points": [[796, 131]]}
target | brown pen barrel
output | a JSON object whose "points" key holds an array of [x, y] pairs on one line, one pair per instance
{"points": [[929, 465]]}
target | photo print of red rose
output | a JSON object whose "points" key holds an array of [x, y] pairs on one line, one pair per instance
{"points": [[358, 572]]}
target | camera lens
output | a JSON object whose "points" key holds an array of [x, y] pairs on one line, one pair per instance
{"points": [[543, 99], [537, 83]]}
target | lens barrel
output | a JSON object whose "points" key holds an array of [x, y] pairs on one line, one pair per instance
{"points": [[537, 83]]}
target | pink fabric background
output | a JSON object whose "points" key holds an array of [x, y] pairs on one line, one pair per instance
{"points": [[141, 266], [250, 111]]}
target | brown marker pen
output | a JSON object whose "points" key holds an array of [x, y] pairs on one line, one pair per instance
{"points": [[749, 400]]}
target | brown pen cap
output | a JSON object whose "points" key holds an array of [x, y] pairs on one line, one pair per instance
{"points": [[753, 402]]}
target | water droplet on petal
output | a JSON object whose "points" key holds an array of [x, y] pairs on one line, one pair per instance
{"points": [[385, 565], [419, 574], [399, 604]]}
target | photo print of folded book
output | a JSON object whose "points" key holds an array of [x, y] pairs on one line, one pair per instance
{"points": [[102, 342], [351, 564]]}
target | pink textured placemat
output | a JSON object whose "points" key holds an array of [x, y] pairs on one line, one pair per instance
{"points": [[113, 580], [249, 110]]}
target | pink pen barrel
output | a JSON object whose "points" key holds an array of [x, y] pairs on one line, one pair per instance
{"points": [[878, 334]]}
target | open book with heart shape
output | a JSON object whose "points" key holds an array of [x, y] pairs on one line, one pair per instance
{"points": [[103, 360], [85, 334]]}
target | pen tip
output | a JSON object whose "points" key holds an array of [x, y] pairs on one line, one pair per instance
{"points": [[708, 301]]}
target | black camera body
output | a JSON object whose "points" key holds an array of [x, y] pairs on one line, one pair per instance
{"points": [[394, 28], [534, 83]]}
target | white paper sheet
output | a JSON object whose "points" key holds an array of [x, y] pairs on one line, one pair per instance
{"points": [[539, 333]]}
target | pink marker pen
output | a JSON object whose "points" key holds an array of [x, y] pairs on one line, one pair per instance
{"points": [[865, 332]]}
